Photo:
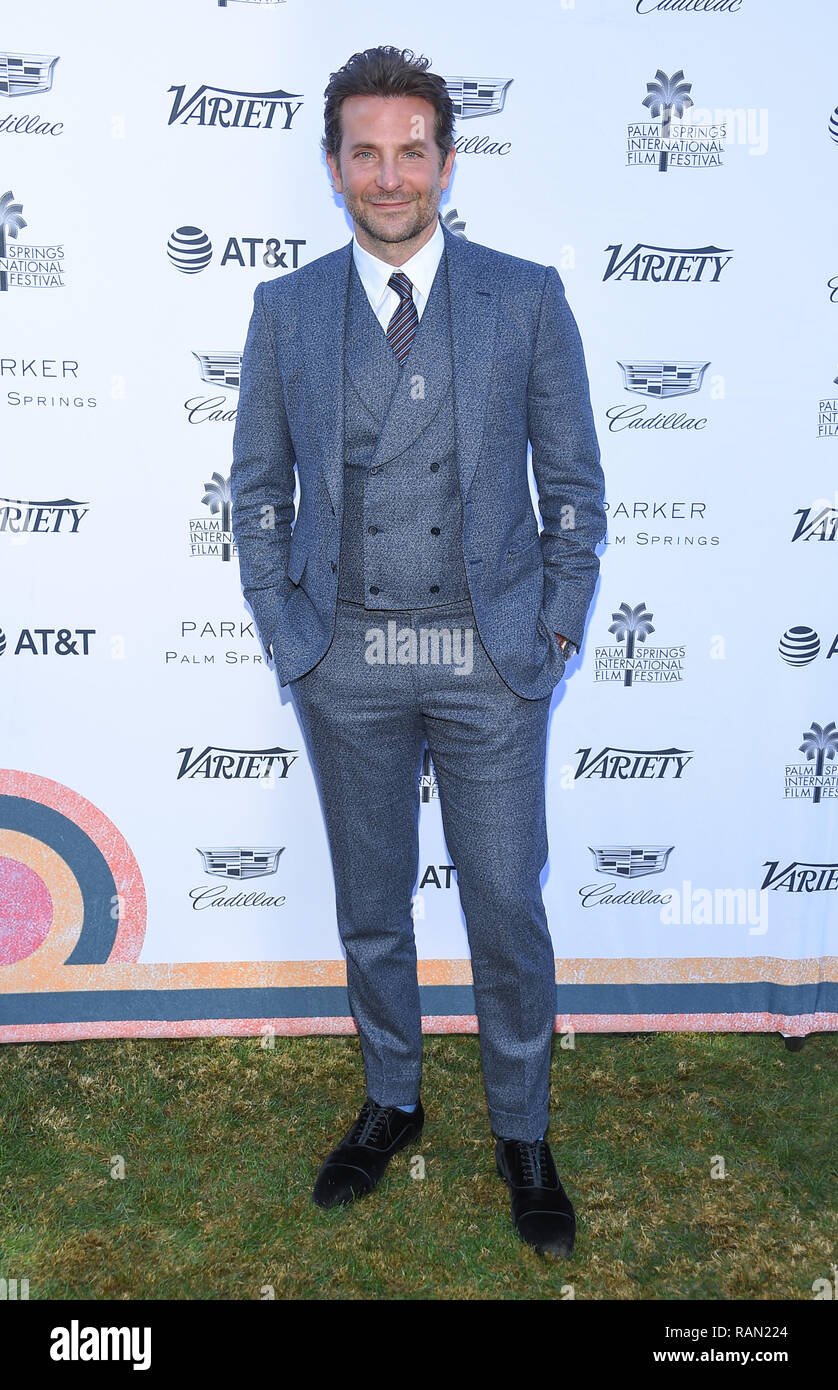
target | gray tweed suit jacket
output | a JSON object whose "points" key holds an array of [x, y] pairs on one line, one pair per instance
{"points": [[519, 376]]}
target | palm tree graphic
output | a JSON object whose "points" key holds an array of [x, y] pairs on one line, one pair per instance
{"points": [[217, 498], [820, 743], [630, 623], [665, 95], [11, 221]]}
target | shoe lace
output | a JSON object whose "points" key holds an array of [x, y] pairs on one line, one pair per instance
{"points": [[371, 1124], [534, 1160]]}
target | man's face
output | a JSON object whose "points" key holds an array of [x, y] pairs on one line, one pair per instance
{"points": [[388, 170]]}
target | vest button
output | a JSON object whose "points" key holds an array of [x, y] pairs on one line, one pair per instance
{"points": [[372, 530], [373, 589], [377, 468], [434, 468], [434, 588], [434, 530], [334, 567]]}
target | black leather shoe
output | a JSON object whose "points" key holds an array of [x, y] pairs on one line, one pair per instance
{"points": [[357, 1164], [541, 1209]]}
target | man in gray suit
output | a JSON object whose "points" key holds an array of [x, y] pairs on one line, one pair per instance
{"points": [[415, 601]]}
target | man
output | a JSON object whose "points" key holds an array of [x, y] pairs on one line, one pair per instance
{"points": [[404, 374]]}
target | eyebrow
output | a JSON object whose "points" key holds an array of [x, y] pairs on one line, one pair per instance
{"points": [[371, 145]]}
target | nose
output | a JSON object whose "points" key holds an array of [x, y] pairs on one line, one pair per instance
{"points": [[389, 176]]}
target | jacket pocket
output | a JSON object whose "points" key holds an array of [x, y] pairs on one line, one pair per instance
{"points": [[527, 545]]}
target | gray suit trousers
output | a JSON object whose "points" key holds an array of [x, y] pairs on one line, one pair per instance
{"points": [[365, 725]]}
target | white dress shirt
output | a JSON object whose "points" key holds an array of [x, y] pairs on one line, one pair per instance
{"points": [[420, 270]]}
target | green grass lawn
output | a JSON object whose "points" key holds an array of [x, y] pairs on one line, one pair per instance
{"points": [[221, 1139]]}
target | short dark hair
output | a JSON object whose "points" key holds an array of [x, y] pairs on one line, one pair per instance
{"points": [[388, 72]]}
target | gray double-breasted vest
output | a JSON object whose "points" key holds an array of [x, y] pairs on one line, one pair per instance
{"points": [[401, 540]]}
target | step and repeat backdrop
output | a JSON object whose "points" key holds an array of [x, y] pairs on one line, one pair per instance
{"points": [[164, 869]]}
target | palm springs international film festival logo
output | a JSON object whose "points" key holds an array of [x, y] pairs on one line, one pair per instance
{"points": [[828, 415], [213, 534], [629, 660], [26, 267], [26, 75], [226, 109], [690, 265], [219, 369], [817, 778], [660, 380], [674, 142]]}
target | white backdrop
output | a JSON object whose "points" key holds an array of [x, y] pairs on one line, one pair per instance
{"points": [[156, 883]]}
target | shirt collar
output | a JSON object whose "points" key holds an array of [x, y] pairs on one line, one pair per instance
{"points": [[420, 268]]}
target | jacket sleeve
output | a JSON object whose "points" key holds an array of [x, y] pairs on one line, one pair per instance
{"points": [[262, 476], [566, 463]]}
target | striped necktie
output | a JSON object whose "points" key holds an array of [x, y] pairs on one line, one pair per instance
{"points": [[402, 326]]}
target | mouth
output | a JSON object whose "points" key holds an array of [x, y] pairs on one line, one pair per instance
{"points": [[392, 205]]}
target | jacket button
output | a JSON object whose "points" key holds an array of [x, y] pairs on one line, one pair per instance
{"points": [[434, 530], [434, 588], [434, 468], [377, 468], [373, 589], [372, 530]]}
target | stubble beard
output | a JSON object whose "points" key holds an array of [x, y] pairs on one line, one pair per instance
{"points": [[414, 220]]}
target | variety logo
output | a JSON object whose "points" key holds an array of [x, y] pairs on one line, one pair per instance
{"points": [[190, 250], [632, 764], [52, 641], [228, 110], [633, 510], [673, 143], [629, 663], [226, 633], [833, 126], [21, 517], [236, 764], [624, 862], [800, 645], [666, 264], [659, 380], [220, 369], [213, 535], [26, 267], [238, 864], [816, 523], [817, 778], [800, 876]]}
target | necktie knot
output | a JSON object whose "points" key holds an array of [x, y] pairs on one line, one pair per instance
{"points": [[401, 284]]}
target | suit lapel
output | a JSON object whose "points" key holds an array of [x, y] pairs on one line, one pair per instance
{"points": [[473, 298]]}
